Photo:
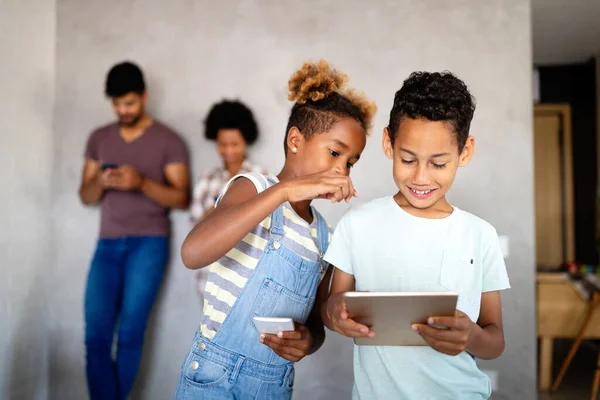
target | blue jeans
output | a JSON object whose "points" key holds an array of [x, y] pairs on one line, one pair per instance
{"points": [[123, 282]]}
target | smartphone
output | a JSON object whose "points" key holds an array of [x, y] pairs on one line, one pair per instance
{"points": [[273, 325], [106, 166]]}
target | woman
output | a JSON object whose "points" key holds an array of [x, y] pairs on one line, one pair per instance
{"points": [[232, 125]]}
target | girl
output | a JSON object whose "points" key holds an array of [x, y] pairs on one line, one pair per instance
{"points": [[264, 243]]}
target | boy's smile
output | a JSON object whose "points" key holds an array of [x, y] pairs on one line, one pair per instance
{"points": [[421, 194], [426, 157]]}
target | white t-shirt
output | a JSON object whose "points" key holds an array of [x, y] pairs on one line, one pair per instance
{"points": [[388, 249]]}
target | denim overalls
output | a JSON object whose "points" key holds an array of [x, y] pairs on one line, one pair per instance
{"points": [[235, 365]]}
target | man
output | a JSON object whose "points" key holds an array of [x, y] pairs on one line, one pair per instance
{"points": [[138, 169]]}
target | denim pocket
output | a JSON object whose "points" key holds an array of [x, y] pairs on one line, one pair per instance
{"points": [[202, 372], [299, 276], [274, 300]]}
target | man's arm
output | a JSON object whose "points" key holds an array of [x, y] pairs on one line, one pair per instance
{"points": [[175, 194], [91, 188]]}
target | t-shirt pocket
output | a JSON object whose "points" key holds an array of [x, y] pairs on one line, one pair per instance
{"points": [[456, 271]]}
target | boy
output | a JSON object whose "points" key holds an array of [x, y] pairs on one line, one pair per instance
{"points": [[416, 241]]}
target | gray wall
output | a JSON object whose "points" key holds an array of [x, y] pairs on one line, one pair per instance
{"points": [[195, 52], [27, 37]]}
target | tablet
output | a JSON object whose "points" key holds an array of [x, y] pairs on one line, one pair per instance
{"points": [[391, 314]]}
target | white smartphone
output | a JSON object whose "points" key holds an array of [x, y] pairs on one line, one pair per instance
{"points": [[273, 325]]}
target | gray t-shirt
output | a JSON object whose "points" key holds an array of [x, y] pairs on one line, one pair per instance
{"points": [[132, 213]]}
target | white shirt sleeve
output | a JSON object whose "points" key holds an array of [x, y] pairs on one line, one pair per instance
{"points": [[258, 180], [494, 268], [339, 251]]}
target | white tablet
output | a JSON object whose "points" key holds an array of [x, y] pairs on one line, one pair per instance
{"points": [[391, 314], [273, 325]]}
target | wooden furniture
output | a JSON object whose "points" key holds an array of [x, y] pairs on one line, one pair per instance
{"points": [[561, 313], [553, 178], [596, 384], [593, 306]]}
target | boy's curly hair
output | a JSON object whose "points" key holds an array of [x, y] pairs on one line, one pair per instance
{"points": [[435, 96], [322, 100]]}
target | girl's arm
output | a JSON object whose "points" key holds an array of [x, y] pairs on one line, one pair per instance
{"points": [[241, 209]]}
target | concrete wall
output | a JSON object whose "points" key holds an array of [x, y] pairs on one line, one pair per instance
{"points": [[27, 52], [196, 52]]}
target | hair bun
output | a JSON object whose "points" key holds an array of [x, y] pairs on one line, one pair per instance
{"points": [[366, 107], [314, 82]]}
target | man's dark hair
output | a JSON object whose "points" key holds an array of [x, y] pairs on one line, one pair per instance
{"points": [[124, 78], [231, 115], [434, 96]]}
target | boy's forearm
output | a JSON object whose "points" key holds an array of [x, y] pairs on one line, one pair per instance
{"points": [[487, 342], [325, 314], [327, 310], [315, 325]]}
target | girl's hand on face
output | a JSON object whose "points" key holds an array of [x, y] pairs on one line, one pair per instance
{"points": [[325, 185], [293, 345]]}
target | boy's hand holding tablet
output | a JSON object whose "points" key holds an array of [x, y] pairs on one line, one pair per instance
{"points": [[337, 313], [453, 340]]}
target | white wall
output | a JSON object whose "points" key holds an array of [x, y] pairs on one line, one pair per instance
{"points": [[27, 38], [196, 52]]}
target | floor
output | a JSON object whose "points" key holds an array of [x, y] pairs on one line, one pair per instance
{"points": [[577, 383]]}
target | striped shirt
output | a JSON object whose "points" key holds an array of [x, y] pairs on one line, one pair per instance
{"points": [[210, 185], [228, 276]]}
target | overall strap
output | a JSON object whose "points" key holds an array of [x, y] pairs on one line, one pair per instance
{"points": [[322, 233], [276, 229]]}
